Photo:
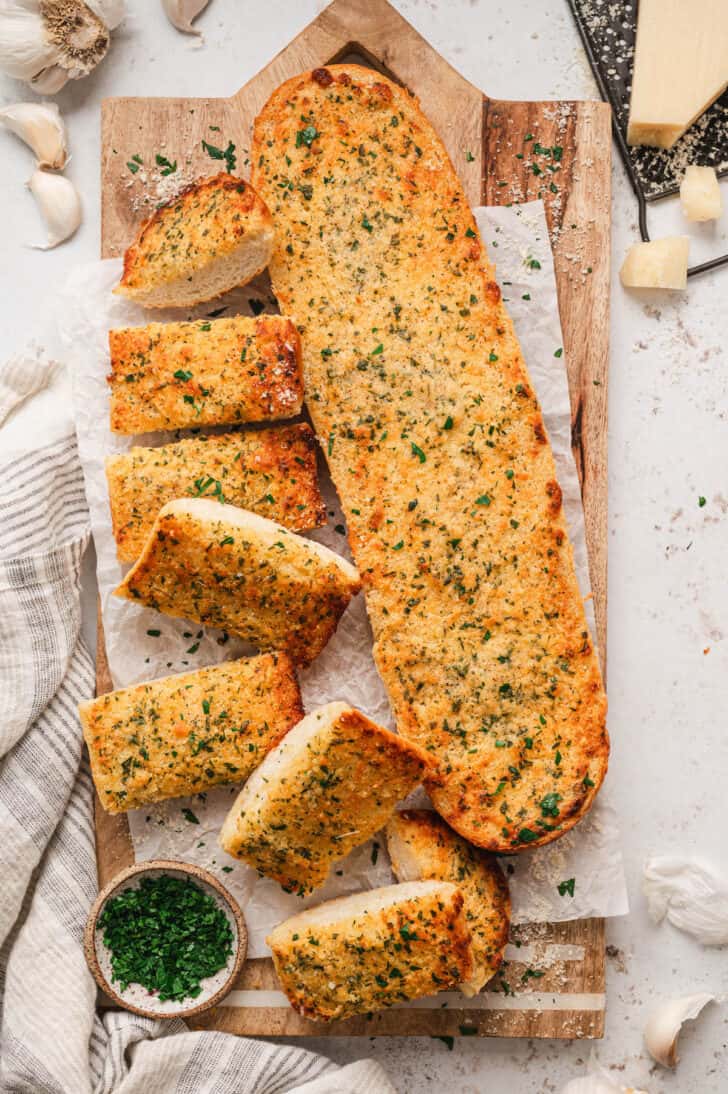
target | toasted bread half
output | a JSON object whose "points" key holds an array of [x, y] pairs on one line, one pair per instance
{"points": [[330, 785], [374, 949], [422, 847], [211, 372], [436, 444], [214, 235], [269, 471], [229, 568], [183, 734]]}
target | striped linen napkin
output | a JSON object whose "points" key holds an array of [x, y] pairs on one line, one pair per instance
{"points": [[51, 1038]]}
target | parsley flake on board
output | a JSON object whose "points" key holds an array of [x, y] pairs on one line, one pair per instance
{"points": [[227, 154], [167, 167], [167, 935], [565, 887]]}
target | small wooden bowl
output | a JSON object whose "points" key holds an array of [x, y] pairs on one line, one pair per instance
{"points": [[136, 998]]}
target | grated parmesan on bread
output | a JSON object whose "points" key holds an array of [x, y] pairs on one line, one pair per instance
{"points": [[269, 471], [209, 372], [183, 734], [332, 782], [422, 847], [371, 950], [214, 235], [437, 447], [229, 568]]}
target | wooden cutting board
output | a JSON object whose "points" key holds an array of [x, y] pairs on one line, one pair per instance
{"points": [[503, 152]]}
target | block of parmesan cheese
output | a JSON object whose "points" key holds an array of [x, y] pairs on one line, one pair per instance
{"points": [[659, 264], [271, 471], [700, 194], [680, 67], [373, 949], [208, 372], [229, 568], [183, 734], [332, 783]]}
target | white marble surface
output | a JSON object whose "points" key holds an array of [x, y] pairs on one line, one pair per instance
{"points": [[668, 598]]}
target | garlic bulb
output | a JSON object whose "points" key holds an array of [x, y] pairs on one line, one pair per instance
{"points": [[181, 13], [693, 898], [664, 1025], [48, 42], [41, 126], [597, 1082], [59, 203]]}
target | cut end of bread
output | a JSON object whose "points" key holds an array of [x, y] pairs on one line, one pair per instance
{"points": [[213, 236]]}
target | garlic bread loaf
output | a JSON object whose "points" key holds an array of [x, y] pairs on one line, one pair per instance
{"points": [[210, 372], [422, 847], [436, 444], [371, 950], [229, 568], [269, 471], [333, 782], [213, 235], [183, 734]]}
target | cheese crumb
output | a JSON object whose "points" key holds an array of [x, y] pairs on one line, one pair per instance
{"points": [[700, 196]]}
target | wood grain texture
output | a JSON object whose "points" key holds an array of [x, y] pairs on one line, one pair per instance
{"points": [[484, 138]]}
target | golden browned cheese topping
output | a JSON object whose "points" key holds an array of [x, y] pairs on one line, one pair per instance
{"points": [[229, 568], [422, 847], [414, 945], [206, 221], [434, 436], [183, 734], [270, 471], [208, 372], [317, 798]]}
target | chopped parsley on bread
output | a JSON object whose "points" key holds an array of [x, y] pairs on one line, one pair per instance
{"points": [[331, 783], [422, 847], [183, 734], [167, 376], [436, 443], [371, 950], [213, 235], [269, 471], [230, 568]]}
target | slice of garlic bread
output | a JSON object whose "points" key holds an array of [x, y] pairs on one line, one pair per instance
{"points": [[331, 784], [210, 372], [227, 567], [423, 847], [270, 471], [214, 235], [183, 734], [371, 950]]}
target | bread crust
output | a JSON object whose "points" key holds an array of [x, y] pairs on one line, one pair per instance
{"points": [[423, 847], [436, 443], [327, 788], [373, 950], [183, 734], [269, 471], [205, 221], [230, 568], [209, 372]]}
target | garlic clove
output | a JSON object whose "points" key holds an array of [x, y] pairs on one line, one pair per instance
{"points": [[693, 897], [664, 1025], [59, 203], [110, 12], [49, 80], [24, 48], [181, 13], [41, 126]]}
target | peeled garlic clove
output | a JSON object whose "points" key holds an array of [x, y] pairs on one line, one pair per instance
{"points": [[59, 203], [41, 126], [664, 1025], [181, 13]]}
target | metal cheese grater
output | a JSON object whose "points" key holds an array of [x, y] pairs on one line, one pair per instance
{"points": [[608, 29]]}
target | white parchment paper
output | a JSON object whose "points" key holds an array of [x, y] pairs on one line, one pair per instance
{"points": [[517, 240]]}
